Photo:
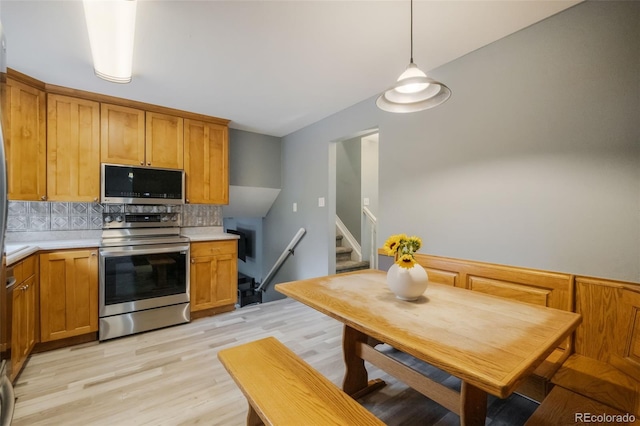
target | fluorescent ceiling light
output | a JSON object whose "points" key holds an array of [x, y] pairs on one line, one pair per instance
{"points": [[111, 26]]}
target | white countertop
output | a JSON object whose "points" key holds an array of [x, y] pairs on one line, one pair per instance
{"points": [[207, 233], [16, 251]]}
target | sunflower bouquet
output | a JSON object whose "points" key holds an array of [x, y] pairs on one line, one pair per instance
{"points": [[403, 249]]}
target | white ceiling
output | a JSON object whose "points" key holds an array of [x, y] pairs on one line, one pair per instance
{"points": [[270, 67]]}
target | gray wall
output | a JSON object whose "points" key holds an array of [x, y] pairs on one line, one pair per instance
{"points": [[254, 159], [534, 161], [349, 185]]}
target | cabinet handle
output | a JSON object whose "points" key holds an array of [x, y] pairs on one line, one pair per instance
{"points": [[93, 253], [148, 164], [43, 198], [187, 200], [193, 261], [95, 200]]}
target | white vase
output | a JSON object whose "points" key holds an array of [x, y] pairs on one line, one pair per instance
{"points": [[407, 284]]}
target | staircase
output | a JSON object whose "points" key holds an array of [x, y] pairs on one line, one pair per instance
{"points": [[343, 259]]}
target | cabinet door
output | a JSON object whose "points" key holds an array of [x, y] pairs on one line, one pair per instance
{"points": [[164, 142], [25, 141], [24, 313], [121, 135], [18, 327], [73, 149], [213, 275], [206, 162], [32, 317], [68, 294]]}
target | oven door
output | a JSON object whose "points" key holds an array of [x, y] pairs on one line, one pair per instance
{"points": [[135, 278]]}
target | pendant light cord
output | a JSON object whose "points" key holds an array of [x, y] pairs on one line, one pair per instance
{"points": [[411, 26]]}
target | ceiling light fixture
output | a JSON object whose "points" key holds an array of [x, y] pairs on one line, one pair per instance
{"points": [[111, 26], [413, 91]]}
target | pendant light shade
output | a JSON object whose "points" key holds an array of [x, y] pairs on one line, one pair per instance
{"points": [[413, 91]]}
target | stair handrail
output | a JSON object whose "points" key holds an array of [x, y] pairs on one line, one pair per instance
{"points": [[370, 215], [285, 254], [373, 258]]}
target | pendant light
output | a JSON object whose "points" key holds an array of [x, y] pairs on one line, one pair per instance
{"points": [[413, 91]]}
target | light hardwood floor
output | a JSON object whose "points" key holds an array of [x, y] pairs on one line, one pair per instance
{"points": [[173, 377]]}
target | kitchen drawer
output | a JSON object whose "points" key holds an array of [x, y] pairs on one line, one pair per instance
{"points": [[213, 248], [25, 269]]}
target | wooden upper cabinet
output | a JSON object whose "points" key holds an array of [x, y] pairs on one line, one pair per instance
{"points": [[25, 141], [122, 135], [73, 149], [206, 150], [164, 142]]}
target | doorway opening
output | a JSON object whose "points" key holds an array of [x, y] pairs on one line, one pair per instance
{"points": [[353, 174]]}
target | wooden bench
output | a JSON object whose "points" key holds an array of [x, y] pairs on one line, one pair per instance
{"points": [[606, 363], [603, 375], [282, 389], [564, 407]]}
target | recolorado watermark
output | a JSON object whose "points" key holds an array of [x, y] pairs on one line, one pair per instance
{"points": [[604, 418]]}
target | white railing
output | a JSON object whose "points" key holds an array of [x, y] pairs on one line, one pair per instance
{"points": [[285, 254], [373, 222], [348, 239]]}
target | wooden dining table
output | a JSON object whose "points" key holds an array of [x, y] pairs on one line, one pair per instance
{"points": [[490, 343]]}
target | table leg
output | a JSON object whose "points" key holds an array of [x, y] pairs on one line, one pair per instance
{"points": [[355, 376], [473, 405], [356, 381]]}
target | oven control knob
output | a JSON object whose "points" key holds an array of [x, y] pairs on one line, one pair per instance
{"points": [[119, 218], [108, 219], [164, 218], [174, 218]]}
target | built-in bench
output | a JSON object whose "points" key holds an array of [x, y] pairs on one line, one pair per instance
{"points": [[282, 389], [600, 365], [564, 407], [605, 365]]}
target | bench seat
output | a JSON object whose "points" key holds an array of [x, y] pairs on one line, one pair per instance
{"points": [[282, 389], [564, 407], [600, 381]]}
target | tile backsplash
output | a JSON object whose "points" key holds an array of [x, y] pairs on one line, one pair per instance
{"points": [[30, 216]]}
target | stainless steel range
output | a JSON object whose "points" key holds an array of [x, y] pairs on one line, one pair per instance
{"points": [[144, 270]]}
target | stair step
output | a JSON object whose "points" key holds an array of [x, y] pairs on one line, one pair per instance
{"points": [[341, 250], [343, 253], [351, 265], [339, 240]]}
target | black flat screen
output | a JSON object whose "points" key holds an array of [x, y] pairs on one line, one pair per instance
{"points": [[145, 183]]}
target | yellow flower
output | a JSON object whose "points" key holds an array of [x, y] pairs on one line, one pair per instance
{"points": [[406, 261], [415, 242], [403, 249], [392, 244]]}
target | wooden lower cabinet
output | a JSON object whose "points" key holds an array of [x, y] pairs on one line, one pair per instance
{"points": [[68, 294], [24, 318], [213, 275]]}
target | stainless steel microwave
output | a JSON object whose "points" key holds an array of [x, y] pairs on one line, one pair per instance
{"points": [[124, 184]]}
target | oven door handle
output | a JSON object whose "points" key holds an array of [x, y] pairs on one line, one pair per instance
{"points": [[143, 249]]}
